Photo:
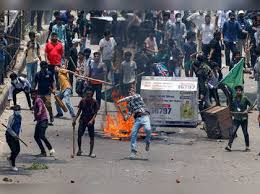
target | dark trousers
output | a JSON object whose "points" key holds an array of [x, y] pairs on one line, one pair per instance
{"points": [[109, 66], [82, 129], [213, 93], [236, 124], [205, 49], [27, 94], [51, 68], [98, 89], [39, 135], [229, 46], [14, 146], [2, 72], [71, 81], [39, 14]]}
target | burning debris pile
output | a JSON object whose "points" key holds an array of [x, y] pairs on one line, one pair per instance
{"points": [[115, 125]]}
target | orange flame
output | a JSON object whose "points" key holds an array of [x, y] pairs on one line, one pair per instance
{"points": [[115, 125]]}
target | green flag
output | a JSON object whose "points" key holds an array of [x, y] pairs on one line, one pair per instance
{"points": [[235, 76]]}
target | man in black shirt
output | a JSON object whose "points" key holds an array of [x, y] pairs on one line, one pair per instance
{"points": [[52, 23], [88, 108], [73, 58], [45, 82], [71, 30], [215, 51]]}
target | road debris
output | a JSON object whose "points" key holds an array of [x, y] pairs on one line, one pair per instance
{"points": [[37, 166], [5, 179]]}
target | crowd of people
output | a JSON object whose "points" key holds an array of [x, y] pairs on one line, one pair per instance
{"points": [[150, 43]]}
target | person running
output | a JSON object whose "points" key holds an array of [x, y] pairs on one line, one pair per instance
{"points": [[137, 107], [44, 82], [14, 126], [239, 105], [88, 108], [41, 118], [65, 92]]}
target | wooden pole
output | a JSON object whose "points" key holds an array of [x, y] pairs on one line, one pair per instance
{"points": [[73, 141], [86, 77]]}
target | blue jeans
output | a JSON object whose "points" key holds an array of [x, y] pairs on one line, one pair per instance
{"points": [[66, 96], [177, 71], [143, 121], [31, 69]]}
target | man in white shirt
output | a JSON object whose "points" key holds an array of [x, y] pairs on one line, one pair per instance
{"points": [[19, 84], [150, 44], [107, 48], [197, 18], [205, 35], [128, 72], [221, 18]]}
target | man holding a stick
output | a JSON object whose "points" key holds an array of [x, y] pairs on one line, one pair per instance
{"points": [[239, 107], [14, 126], [88, 108], [137, 107], [40, 115], [65, 92]]}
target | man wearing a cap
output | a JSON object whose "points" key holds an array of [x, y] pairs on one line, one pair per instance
{"points": [[239, 107]]}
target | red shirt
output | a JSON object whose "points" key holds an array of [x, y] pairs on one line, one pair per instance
{"points": [[54, 53]]}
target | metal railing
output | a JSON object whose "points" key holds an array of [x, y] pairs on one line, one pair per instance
{"points": [[13, 36]]}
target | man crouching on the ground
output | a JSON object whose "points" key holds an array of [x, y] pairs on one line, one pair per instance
{"points": [[40, 116], [137, 107], [14, 126], [88, 108], [239, 106]]}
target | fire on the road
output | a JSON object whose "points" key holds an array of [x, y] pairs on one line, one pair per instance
{"points": [[115, 125]]}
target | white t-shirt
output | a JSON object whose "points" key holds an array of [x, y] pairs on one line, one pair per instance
{"points": [[108, 48], [197, 19], [128, 70], [222, 17], [151, 44], [207, 32]]}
